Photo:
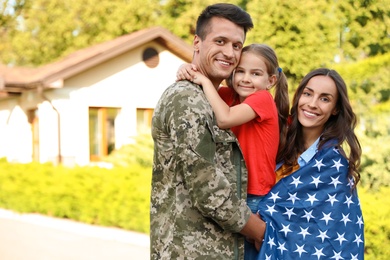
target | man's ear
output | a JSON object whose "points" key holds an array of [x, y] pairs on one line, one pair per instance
{"points": [[196, 42]]}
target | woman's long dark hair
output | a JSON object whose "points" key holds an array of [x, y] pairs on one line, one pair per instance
{"points": [[339, 127]]}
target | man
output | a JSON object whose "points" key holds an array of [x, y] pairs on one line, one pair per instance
{"points": [[198, 191]]}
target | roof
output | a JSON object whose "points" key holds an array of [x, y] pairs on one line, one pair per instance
{"points": [[14, 80]]}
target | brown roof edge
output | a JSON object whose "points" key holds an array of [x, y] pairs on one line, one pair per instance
{"points": [[116, 47], [25, 78]]}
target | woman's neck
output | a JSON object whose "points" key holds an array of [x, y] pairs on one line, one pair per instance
{"points": [[310, 136]]}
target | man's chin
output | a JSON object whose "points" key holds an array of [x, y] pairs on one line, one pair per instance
{"points": [[223, 75]]}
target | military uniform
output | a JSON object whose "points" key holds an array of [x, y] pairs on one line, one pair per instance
{"points": [[198, 194]]}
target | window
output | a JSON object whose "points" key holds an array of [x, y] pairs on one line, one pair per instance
{"points": [[101, 131], [144, 119], [150, 57]]}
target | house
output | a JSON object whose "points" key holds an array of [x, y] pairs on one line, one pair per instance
{"points": [[77, 110]]}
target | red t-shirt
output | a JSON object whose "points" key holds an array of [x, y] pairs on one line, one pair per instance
{"points": [[259, 139]]}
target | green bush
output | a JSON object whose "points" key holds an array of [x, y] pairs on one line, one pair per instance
{"points": [[109, 197], [141, 152], [376, 212]]}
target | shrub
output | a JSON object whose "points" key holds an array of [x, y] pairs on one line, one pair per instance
{"points": [[109, 197]]}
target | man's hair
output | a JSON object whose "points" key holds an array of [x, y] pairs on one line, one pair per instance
{"points": [[231, 12]]}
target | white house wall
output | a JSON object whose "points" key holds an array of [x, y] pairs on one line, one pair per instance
{"points": [[15, 132], [124, 82]]}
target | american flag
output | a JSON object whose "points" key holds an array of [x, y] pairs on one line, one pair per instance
{"points": [[313, 213]]}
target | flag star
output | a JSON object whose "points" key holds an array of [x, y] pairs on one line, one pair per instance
{"points": [[323, 235], [311, 198], [308, 215], [296, 181], [282, 248], [360, 221], [316, 181], [348, 200], [274, 196], [340, 238], [326, 217], [285, 229], [336, 150], [304, 232], [337, 164], [267, 257], [318, 164], [271, 242], [332, 199], [335, 181], [354, 257], [271, 210], [358, 240], [318, 253], [336, 255], [345, 219], [351, 182], [300, 250], [293, 197], [289, 212]]}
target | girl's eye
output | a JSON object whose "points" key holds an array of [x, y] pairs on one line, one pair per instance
{"points": [[325, 99]]}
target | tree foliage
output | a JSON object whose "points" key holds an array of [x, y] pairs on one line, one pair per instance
{"points": [[49, 29]]}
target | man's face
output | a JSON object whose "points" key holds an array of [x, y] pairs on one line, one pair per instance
{"points": [[218, 54]]}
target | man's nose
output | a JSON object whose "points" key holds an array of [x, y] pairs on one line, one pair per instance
{"points": [[228, 51]]}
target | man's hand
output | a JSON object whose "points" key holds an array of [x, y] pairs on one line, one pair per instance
{"points": [[254, 230]]}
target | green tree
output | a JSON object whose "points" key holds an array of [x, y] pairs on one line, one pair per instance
{"points": [[49, 29], [364, 28], [369, 82], [304, 36]]}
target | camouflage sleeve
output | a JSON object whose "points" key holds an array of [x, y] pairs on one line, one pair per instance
{"points": [[204, 161]]}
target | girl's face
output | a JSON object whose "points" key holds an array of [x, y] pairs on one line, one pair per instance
{"points": [[317, 103], [251, 75]]}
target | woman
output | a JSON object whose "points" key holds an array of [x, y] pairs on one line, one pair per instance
{"points": [[313, 211]]}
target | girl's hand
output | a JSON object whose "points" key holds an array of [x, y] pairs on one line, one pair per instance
{"points": [[186, 72]]}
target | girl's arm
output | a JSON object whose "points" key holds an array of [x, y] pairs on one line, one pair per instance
{"points": [[227, 117]]}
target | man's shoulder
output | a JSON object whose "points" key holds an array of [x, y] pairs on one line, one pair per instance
{"points": [[183, 96]]}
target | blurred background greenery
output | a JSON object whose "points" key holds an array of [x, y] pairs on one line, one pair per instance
{"points": [[351, 36]]}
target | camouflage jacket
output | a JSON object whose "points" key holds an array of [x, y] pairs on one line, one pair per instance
{"points": [[197, 197]]}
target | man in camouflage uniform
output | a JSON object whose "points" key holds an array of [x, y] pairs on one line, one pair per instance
{"points": [[198, 191]]}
